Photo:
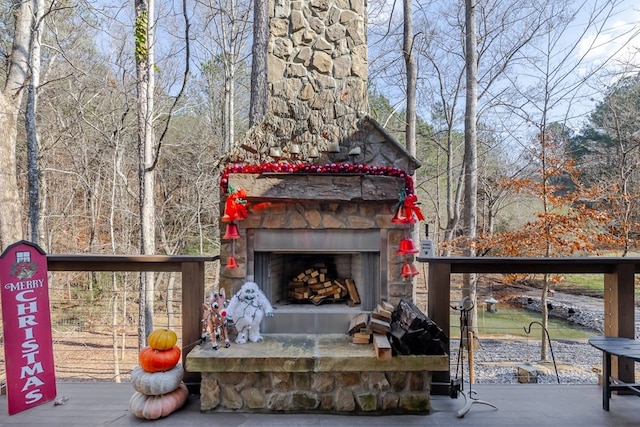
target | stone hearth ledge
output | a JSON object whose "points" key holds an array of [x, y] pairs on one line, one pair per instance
{"points": [[305, 353], [312, 373]]}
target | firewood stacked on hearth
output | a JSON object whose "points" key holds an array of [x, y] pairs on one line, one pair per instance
{"points": [[315, 286], [374, 327], [398, 330]]}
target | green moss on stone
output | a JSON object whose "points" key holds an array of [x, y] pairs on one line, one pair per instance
{"points": [[415, 403], [304, 401], [367, 402]]}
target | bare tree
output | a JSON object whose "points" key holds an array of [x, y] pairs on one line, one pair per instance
{"points": [[10, 99], [557, 70], [410, 65], [505, 29], [30, 121], [144, 48], [470, 162], [225, 44]]}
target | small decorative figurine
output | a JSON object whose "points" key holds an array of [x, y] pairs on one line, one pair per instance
{"points": [[246, 309], [214, 319]]}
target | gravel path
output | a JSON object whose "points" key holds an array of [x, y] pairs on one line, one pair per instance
{"points": [[576, 361], [497, 360]]}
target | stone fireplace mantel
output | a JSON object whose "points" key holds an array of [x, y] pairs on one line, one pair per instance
{"points": [[326, 187]]}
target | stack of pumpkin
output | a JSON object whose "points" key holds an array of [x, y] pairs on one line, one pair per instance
{"points": [[158, 378]]}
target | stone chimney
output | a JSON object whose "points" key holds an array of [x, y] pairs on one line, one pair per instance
{"points": [[317, 80], [317, 70]]}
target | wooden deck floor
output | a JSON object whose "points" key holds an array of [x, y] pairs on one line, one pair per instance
{"points": [[102, 403]]}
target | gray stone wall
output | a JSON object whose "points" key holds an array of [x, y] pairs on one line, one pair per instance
{"points": [[317, 72], [327, 392]]}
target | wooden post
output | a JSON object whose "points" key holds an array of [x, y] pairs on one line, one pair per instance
{"points": [[192, 298], [438, 310], [619, 314]]}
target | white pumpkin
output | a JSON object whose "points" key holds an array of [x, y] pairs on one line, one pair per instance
{"points": [[156, 383], [154, 407]]}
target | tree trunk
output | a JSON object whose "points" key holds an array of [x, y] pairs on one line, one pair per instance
{"points": [[471, 161], [171, 315], [145, 88], [10, 99], [114, 325], [258, 107], [228, 112], [544, 312], [148, 205], [410, 65], [33, 171], [115, 295]]}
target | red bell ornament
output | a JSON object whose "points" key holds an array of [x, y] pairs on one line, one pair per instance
{"points": [[231, 232], [413, 270], [231, 262], [231, 215], [401, 216], [409, 270], [407, 247]]}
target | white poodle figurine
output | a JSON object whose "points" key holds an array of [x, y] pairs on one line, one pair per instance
{"points": [[247, 309]]}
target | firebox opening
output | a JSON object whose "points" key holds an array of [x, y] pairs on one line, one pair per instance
{"points": [[319, 278]]}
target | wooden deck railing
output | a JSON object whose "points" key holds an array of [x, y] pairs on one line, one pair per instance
{"points": [[619, 279], [192, 269]]}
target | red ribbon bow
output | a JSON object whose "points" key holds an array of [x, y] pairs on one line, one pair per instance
{"points": [[234, 207], [411, 207]]}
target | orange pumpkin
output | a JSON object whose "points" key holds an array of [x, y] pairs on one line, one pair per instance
{"points": [[152, 360], [162, 339]]}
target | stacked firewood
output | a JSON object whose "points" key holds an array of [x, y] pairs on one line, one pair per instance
{"points": [[315, 286], [398, 330], [373, 328]]}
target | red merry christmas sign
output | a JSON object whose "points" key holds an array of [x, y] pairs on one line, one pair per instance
{"points": [[26, 319]]}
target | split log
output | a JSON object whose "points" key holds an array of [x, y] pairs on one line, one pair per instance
{"points": [[381, 314], [412, 332], [382, 347], [362, 337], [379, 326], [353, 291], [358, 323], [387, 306]]}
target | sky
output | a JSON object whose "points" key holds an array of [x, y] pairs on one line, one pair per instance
{"points": [[620, 36]]}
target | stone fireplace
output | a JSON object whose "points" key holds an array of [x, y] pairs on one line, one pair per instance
{"points": [[321, 181]]}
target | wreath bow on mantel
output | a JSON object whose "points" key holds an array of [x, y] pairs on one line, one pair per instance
{"points": [[407, 210], [411, 207], [234, 207]]}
